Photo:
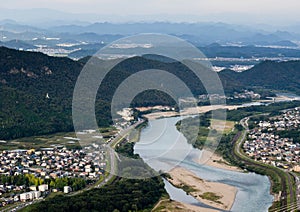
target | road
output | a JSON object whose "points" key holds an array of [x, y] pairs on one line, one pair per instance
{"points": [[297, 181], [237, 148], [244, 123], [113, 155], [19, 206], [113, 167]]}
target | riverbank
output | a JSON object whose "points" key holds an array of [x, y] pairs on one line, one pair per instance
{"points": [[213, 159], [204, 109], [214, 194], [168, 205], [189, 111]]}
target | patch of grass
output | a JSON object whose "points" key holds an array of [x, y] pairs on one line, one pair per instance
{"points": [[187, 189], [211, 196], [54, 194], [45, 141], [219, 124], [166, 204]]}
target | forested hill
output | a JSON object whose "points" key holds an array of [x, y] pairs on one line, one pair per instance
{"points": [[271, 75], [26, 78]]}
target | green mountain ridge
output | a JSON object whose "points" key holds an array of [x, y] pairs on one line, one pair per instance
{"points": [[26, 78], [271, 75]]}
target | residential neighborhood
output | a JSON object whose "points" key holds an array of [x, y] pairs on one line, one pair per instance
{"points": [[26, 175], [275, 141]]}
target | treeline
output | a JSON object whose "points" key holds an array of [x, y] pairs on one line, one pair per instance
{"points": [[17, 180], [127, 150], [271, 75], [74, 182], [294, 134], [123, 195], [28, 79], [273, 109], [29, 179]]}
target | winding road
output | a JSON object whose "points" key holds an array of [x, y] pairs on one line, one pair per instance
{"points": [[289, 183]]}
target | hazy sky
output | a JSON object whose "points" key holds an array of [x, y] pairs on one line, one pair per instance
{"points": [[264, 11]]}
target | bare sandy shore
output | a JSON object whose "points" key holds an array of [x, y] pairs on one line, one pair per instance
{"points": [[157, 115], [212, 159], [190, 111], [215, 194], [201, 109]]}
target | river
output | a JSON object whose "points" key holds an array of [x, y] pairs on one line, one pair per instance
{"points": [[162, 147]]}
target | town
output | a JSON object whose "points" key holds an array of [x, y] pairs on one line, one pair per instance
{"points": [[33, 174], [275, 141], [26, 175]]}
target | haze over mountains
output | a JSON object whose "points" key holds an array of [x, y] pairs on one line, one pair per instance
{"points": [[78, 39], [203, 32]]}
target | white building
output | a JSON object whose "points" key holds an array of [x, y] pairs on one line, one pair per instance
{"points": [[32, 188], [26, 196], [43, 187], [67, 189], [30, 195], [37, 194]]}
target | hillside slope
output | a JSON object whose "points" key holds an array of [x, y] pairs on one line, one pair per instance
{"points": [[270, 75], [27, 78]]}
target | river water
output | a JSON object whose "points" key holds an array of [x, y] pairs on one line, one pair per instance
{"points": [[162, 147]]}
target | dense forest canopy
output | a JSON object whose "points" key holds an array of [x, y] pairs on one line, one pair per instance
{"points": [[27, 79]]}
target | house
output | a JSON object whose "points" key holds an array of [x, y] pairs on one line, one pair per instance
{"points": [[67, 189], [26, 196], [29, 195], [43, 188], [16, 198], [36, 194]]}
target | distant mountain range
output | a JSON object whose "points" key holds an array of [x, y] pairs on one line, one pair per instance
{"points": [[197, 33], [214, 39], [26, 79]]}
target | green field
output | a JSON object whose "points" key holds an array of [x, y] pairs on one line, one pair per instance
{"points": [[57, 139]]}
